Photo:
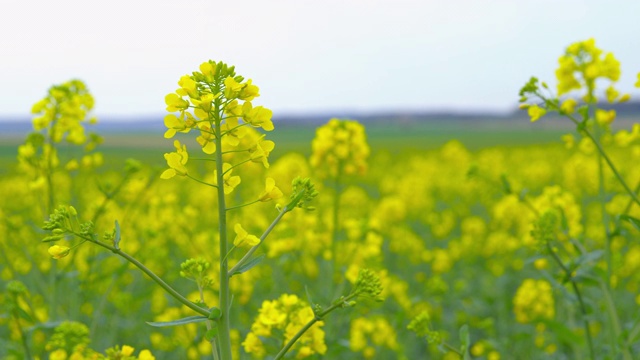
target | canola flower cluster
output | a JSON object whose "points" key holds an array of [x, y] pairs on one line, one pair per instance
{"points": [[534, 301], [283, 318], [340, 148]]}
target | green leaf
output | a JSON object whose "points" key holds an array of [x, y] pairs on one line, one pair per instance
{"points": [[248, 265], [183, 321], [52, 238], [506, 185], [634, 221], [116, 236]]}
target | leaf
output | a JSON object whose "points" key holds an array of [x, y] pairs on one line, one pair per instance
{"points": [[634, 221], [183, 321], [590, 257], [506, 185], [248, 265], [116, 236]]}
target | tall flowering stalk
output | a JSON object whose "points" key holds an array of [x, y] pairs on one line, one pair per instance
{"points": [[581, 69]]}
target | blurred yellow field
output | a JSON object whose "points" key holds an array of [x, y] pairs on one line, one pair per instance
{"points": [[340, 250]]}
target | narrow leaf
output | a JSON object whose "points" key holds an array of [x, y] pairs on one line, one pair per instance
{"points": [[248, 265], [183, 321], [116, 236], [634, 221]]}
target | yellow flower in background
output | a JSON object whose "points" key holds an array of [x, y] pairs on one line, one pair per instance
{"points": [[534, 301], [243, 238], [582, 64], [271, 191], [146, 355], [605, 117], [569, 106], [612, 94], [536, 112], [637, 84], [340, 148], [127, 350], [58, 252]]}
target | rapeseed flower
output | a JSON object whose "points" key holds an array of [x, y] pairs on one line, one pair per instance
{"points": [[58, 251], [271, 191], [176, 161], [243, 238]]}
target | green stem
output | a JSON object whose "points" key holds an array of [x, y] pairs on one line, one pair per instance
{"points": [[583, 308], [214, 348], [615, 321], [23, 338], [243, 205], [266, 233], [308, 325], [607, 159], [224, 336], [201, 182], [152, 275], [452, 349]]}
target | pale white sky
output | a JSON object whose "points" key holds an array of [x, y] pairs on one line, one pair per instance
{"points": [[306, 56]]}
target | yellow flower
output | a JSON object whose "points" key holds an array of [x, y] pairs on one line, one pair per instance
{"points": [[176, 161], [260, 152], [533, 300], [206, 139], [569, 106], [253, 345], [605, 117], [536, 112], [208, 70], [637, 84], [126, 350], [175, 103], [249, 91], [243, 238], [271, 191], [187, 87], [230, 182], [258, 116], [59, 354], [612, 94], [58, 252], [175, 124], [146, 355]]}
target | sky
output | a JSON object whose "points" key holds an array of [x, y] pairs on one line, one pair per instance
{"points": [[306, 56]]}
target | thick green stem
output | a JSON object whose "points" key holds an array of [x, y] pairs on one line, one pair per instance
{"points": [[224, 337], [308, 325]]}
